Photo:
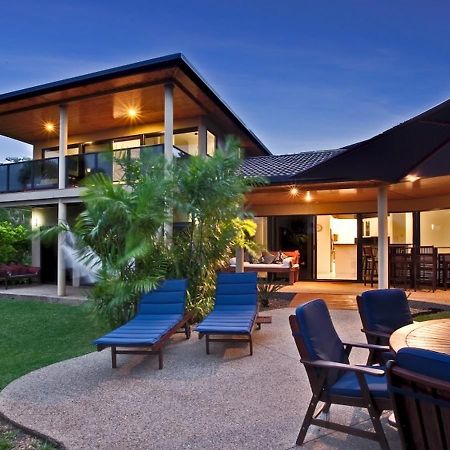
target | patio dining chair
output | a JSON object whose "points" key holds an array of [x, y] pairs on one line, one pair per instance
{"points": [[419, 383], [332, 378], [382, 311]]}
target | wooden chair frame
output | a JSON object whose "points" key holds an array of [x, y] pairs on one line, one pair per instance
{"points": [[422, 408], [182, 326], [318, 371]]}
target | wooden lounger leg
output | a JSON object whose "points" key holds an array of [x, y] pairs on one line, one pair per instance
{"points": [[113, 357], [160, 359], [207, 343], [187, 330], [251, 345]]}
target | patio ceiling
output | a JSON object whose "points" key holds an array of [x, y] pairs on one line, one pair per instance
{"points": [[434, 192], [100, 100]]}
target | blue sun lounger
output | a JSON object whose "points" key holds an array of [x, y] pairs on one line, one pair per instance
{"points": [[161, 313], [235, 310]]}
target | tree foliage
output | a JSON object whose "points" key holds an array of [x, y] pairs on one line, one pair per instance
{"points": [[120, 230], [14, 243]]}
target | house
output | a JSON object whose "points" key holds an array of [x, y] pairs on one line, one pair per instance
{"points": [[393, 188], [162, 106]]}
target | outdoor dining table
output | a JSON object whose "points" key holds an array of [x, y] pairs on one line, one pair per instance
{"points": [[429, 335]]}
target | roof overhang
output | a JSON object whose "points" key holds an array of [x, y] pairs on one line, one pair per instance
{"points": [[95, 100]]}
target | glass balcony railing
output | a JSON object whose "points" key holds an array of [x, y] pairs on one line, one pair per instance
{"points": [[29, 175], [78, 167], [43, 173]]}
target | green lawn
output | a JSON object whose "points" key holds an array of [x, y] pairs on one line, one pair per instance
{"points": [[35, 334], [440, 315]]}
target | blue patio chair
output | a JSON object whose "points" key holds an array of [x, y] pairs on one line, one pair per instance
{"points": [[332, 378], [161, 313], [382, 311], [419, 383], [235, 310]]}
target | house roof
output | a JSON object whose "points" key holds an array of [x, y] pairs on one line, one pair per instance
{"points": [[131, 76], [285, 168], [416, 148]]}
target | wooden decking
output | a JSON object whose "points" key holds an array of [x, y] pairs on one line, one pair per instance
{"points": [[342, 295]]}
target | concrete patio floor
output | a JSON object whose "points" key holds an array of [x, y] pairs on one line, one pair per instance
{"points": [[226, 400]]}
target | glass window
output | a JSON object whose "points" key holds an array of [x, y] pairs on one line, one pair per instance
{"points": [[435, 229], [154, 140], [400, 229], [54, 152], [98, 147], [186, 142], [210, 143]]}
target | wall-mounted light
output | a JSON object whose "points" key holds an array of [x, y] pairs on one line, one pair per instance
{"points": [[308, 196]]}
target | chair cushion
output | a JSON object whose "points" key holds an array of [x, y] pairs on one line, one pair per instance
{"points": [[348, 386], [140, 331], [237, 289], [318, 332], [228, 322], [425, 362], [385, 310]]}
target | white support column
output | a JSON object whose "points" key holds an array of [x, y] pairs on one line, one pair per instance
{"points": [[63, 138], [61, 268], [383, 275], [168, 143], [202, 138], [239, 260], [62, 207]]}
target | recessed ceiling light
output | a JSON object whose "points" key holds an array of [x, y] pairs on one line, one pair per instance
{"points": [[412, 177], [294, 191], [49, 126], [132, 113]]}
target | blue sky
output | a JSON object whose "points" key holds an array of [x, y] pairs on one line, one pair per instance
{"points": [[303, 75]]}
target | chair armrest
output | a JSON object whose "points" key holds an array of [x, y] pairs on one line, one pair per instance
{"points": [[380, 334], [381, 348], [346, 367]]}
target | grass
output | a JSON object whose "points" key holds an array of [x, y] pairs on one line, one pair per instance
{"points": [[35, 334], [433, 316]]}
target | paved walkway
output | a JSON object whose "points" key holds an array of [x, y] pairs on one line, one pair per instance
{"points": [[226, 400]]}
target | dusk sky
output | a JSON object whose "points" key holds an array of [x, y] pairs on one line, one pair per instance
{"points": [[303, 75]]}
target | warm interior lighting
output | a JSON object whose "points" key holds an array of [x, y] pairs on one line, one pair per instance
{"points": [[411, 178], [293, 191], [132, 113], [49, 127], [308, 196]]}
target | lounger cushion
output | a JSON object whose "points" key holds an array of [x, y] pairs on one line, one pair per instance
{"points": [[158, 312], [235, 306], [140, 331], [348, 386]]}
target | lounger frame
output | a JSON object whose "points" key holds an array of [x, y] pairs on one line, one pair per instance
{"points": [[183, 326]]}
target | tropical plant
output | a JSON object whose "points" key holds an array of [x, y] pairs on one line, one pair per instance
{"points": [[266, 292], [120, 230], [119, 234]]}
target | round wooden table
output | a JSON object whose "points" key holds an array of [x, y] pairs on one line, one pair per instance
{"points": [[430, 335]]}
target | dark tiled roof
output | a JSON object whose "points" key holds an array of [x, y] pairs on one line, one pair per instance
{"points": [[285, 167]]}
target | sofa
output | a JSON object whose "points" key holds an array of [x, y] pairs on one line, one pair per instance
{"points": [[289, 265], [15, 271]]}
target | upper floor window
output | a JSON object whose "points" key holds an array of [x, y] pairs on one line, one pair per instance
{"points": [[54, 151], [211, 143]]}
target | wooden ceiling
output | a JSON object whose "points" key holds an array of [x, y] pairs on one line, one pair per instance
{"points": [[359, 192], [102, 105]]}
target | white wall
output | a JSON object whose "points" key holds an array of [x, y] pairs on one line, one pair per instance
{"points": [[435, 228]]}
